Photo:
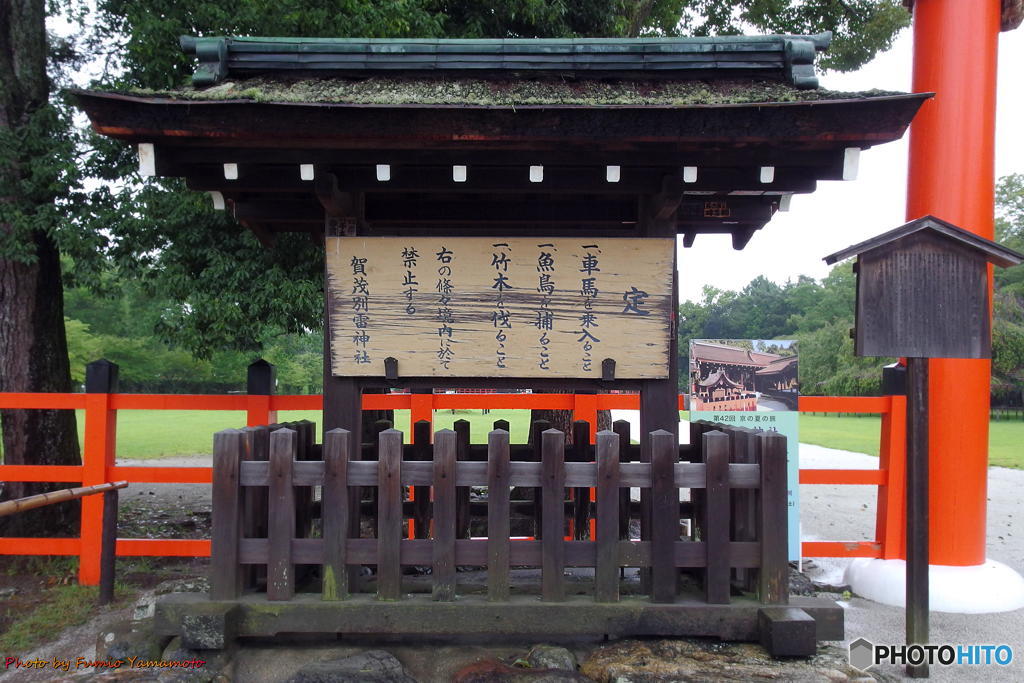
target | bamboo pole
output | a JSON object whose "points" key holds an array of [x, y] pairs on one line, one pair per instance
{"points": [[11, 507]]}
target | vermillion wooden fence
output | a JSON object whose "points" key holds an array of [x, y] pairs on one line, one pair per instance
{"points": [[261, 512], [101, 404]]}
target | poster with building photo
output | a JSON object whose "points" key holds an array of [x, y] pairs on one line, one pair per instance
{"points": [[752, 383]]}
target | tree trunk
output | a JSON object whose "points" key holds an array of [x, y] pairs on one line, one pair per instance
{"points": [[33, 346], [34, 357]]}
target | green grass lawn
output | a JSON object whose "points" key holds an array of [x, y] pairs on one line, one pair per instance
{"points": [[145, 434], [155, 434], [861, 435], [848, 433]]}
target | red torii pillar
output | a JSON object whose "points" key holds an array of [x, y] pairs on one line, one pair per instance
{"points": [[951, 175]]}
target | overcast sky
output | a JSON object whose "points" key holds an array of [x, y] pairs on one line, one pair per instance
{"points": [[839, 214]]}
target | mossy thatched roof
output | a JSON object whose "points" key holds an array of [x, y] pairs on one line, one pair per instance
{"points": [[384, 91]]}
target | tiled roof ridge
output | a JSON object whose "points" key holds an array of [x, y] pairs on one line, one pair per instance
{"points": [[789, 58]]}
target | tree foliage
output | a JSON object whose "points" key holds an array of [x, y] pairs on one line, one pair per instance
{"points": [[1008, 303]]}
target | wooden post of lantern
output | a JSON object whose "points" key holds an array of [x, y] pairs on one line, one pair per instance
{"points": [[922, 292]]}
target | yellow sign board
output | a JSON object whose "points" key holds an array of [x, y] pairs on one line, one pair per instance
{"points": [[500, 307]]}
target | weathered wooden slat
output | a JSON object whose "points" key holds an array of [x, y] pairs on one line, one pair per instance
{"points": [[226, 574], [364, 473], [553, 561], [281, 524], [462, 516], [581, 494], [716, 511], [606, 574], [376, 429], [257, 449], [521, 553], [421, 494], [389, 516], [773, 532], [744, 446], [335, 513], [498, 515], [536, 430], [645, 498], [665, 515], [621, 429], [304, 434], [443, 546], [697, 431]]}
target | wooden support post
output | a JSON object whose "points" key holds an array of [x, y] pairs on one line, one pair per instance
{"points": [[389, 516], [421, 494], [503, 425], [773, 533], [335, 510], [606, 574], [537, 428], [498, 515], [581, 494], [281, 529], [917, 509], [255, 448], [716, 512], [552, 544], [97, 458], [225, 570], [462, 513], [659, 400], [621, 429], [445, 472], [665, 520], [343, 405], [108, 558]]}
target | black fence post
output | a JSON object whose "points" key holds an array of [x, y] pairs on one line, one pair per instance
{"points": [[101, 377], [108, 558], [261, 378]]}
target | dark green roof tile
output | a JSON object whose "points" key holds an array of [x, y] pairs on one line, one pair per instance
{"points": [[784, 58]]}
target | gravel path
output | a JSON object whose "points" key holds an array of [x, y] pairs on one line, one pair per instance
{"points": [[848, 513]]}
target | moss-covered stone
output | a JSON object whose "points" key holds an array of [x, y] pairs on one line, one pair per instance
{"points": [[503, 93]]}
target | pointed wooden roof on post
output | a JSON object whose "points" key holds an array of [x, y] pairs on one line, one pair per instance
{"points": [[999, 255], [922, 291]]}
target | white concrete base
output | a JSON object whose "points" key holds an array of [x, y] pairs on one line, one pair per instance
{"points": [[978, 589]]}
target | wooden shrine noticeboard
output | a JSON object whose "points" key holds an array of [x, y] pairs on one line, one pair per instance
{"points": [[500, 307]]}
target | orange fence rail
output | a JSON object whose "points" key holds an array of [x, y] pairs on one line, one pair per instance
{"points": [[101, 437], [890, 513]]}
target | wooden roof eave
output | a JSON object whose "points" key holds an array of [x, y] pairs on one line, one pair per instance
{"points": [[820, 124]]}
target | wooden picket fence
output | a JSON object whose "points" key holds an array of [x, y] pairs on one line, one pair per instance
{"points": [[263, 482]]}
